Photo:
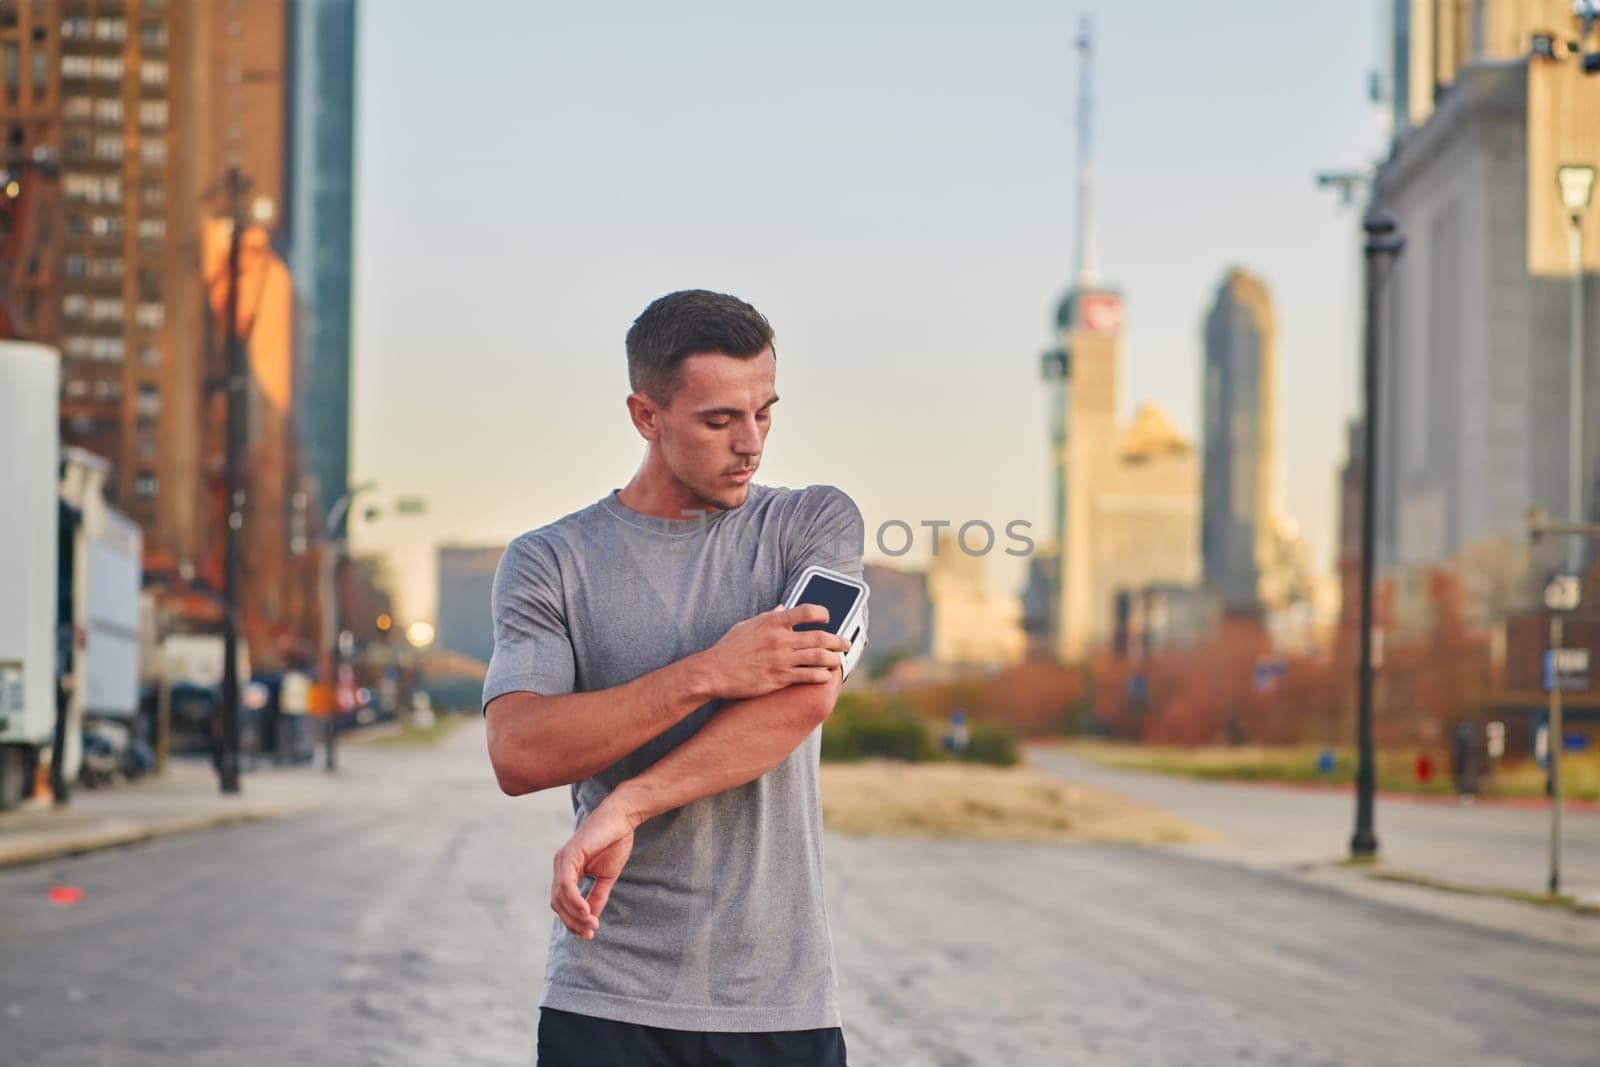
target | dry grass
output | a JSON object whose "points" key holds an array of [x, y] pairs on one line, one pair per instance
{"points": [[990, 803]]}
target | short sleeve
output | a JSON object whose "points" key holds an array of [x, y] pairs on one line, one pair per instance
{"points": [[532, 644], [827, 531]]}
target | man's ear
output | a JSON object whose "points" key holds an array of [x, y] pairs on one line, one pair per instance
{"points": [[645, 415]]}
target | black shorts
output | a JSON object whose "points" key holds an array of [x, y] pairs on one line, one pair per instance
{"points": [[567, 1039]]}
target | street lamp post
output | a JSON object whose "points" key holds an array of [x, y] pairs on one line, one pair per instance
{"points": [[233, 448], [1576, 183], [336, 535], [333, 566], [1382, 245], [1577, 186]]}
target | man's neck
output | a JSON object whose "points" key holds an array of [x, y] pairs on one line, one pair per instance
{"points": [[651, 497]]}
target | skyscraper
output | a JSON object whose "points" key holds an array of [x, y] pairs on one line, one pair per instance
{"points": [[1123, 501], [1239, 441], [147, 105], [1475, 344], [321, 228]]}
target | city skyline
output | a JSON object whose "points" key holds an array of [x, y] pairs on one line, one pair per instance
{"points": [[906, 223]]}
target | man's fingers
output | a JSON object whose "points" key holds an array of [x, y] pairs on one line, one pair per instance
{"points": [[811, 674], [823, 639], [599, 893], [804, 613], [565, 899], [815, 657]]}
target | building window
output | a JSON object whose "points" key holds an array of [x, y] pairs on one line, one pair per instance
{"points": [[81, 425], [149, 316], [145, 485], [75, 26], [108, 110], [107, 226], [109, 68], [76, 107], [152, 229], [153, 113], [149, 356], [151, 195], [74, 305], [107, 390], [153, 72], [149, 402], [106, 309], [76, 67], [153, 34], [77, 388], [106, 268], [110, 30], [79, 347], [153, 150], [107, 349], [108, 146], [74, 266], [148, 449]]}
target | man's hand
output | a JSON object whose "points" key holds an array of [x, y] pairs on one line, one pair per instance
{"points": [[766, 653], [601, 847]]}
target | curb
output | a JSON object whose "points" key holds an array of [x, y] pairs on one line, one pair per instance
{"points": [[96, 840]]}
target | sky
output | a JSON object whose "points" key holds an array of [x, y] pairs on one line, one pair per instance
{"points": [[891, 184]]}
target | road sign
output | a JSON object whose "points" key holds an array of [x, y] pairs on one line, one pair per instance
{"points": [[1497, 739], [1563, 593], [1268, 674], [1569, 665]]}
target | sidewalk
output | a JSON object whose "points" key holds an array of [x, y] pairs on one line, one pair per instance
{"points": [[184, 799], [1442, 859]]}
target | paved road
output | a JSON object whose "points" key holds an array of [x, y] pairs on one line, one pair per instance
{"points": [[1480, 844], [409, 927]]}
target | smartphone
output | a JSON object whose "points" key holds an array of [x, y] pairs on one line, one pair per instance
{"points": [[844, 597]]}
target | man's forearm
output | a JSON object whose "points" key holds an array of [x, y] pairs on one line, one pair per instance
{"points": [[742, 741], [575, 735]]}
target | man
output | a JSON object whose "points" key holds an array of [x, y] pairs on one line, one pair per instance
{"points": [[642, 655]]}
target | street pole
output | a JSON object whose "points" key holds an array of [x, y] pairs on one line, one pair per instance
{"points": [[1575, 401], [228, 769], [1381, 242], [1552, 735]]}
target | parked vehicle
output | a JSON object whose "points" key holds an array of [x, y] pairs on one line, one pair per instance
{"points": [[70, 572]]}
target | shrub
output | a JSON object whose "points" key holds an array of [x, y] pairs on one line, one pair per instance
{"points": [[991, 742]]}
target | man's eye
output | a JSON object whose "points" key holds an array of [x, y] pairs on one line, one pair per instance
{"points": [[718, 425]]}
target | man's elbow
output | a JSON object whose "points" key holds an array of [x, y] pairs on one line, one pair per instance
{"points": [[516, 770], [820, 697]]}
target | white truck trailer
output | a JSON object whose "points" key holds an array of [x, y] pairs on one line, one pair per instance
{"points": [[62, 549], [29, 461]]}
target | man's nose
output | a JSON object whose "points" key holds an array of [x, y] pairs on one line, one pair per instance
{"points": [[747, 442]]}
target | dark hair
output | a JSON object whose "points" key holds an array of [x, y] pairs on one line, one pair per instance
{"points": [[686, 323]]}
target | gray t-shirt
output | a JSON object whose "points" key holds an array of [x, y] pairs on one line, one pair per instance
{"points": [[717, 921]]}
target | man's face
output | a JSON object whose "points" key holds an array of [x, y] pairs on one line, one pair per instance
{"points": [[712, 433]]}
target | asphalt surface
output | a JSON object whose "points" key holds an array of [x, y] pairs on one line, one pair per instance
{"points": [[407, 925]]}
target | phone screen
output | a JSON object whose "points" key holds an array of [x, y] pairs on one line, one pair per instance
{"points": [[837, 597]]}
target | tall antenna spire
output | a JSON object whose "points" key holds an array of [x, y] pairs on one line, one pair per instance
{"points": [[1084, 268]]}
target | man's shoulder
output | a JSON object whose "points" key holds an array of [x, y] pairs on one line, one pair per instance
{"points": [[812, 501], [545, 542]]}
